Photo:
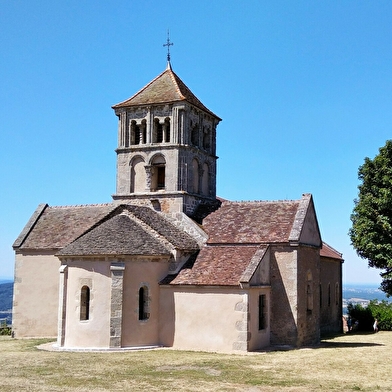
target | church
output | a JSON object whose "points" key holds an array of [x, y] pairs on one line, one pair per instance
{"points": [[168, 263]]}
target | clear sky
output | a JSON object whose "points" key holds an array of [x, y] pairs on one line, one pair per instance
{"points": [[304, 89]]}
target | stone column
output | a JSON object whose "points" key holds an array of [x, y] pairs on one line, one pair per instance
{"points": [[62, 311], [149, 125], [117, 272], [149, 173]]}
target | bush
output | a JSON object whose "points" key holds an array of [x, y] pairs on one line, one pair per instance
{"points": [[362, 315], [4, 329], [382, 311]]}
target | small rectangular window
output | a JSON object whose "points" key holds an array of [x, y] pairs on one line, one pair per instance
{"points": [[262, 306]]}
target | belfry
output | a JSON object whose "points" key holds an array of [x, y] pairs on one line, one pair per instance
{"points": [[166, 155]]}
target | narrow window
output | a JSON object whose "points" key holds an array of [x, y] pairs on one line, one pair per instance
{"points": [[195, 135], [143, 298], [329, 294], [309, 292], [161, 177], [84, 303], [337, 297], [321, 297], [137, 134], [167, 130], [262, 321], [158, 131]]}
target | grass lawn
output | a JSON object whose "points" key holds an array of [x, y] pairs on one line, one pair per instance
{"points": [[356, 362]]}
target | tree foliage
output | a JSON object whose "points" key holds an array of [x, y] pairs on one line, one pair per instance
{"points": [[371, 231], [365, 315]]}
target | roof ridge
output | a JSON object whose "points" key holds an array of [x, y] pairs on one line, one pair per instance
{"points": [[147, 227], [83, 205], [261, 201], [174, 77]]}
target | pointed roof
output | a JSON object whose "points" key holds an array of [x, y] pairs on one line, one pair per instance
{"points": [[54, 227], [131, 230], [120, 235], [165, 88], [93, 229]]}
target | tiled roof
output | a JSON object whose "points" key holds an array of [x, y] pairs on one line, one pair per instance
{"points": [[331, 253], [251, 222], [156, 221], [165, 88], [120, 235], [55, 227], [217, 265]]}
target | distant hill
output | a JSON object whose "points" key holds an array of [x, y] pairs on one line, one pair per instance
{"points": [[6, 292]]}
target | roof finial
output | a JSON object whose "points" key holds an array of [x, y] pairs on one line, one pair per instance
{"points": [[168, 44]]}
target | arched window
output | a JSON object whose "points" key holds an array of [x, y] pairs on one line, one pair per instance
{"points": [[143, 303], [85, 303], [138, 175]]}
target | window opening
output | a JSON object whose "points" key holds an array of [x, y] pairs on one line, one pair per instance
{"points": [[262, 318], [195, 135], [159, 133], [85, 303], [321, 297], [309, 293], [167, 130], [143, 298], [329, 294], [161, 177]]}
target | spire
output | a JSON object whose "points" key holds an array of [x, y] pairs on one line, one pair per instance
{"points": [[168, 44]]}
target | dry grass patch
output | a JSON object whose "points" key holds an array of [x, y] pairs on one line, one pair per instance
{"points": [[348, 362]]}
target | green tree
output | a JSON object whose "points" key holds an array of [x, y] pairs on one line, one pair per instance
{"points": [[371, 231]]}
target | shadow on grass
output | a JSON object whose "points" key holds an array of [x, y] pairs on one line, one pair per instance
{"points": [[327, 343]]}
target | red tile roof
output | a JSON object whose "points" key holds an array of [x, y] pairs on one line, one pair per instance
{"points": [[56, 227], [328, 251], [165, 88], [217, 265], [251, 222]]}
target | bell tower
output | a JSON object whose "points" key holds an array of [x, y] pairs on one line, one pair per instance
{"points": [[166, 154]]}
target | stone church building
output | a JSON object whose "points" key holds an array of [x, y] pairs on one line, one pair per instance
{"points": [[167, 263]]}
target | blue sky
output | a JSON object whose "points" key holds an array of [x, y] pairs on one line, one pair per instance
{"points": [[303, 88]]}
